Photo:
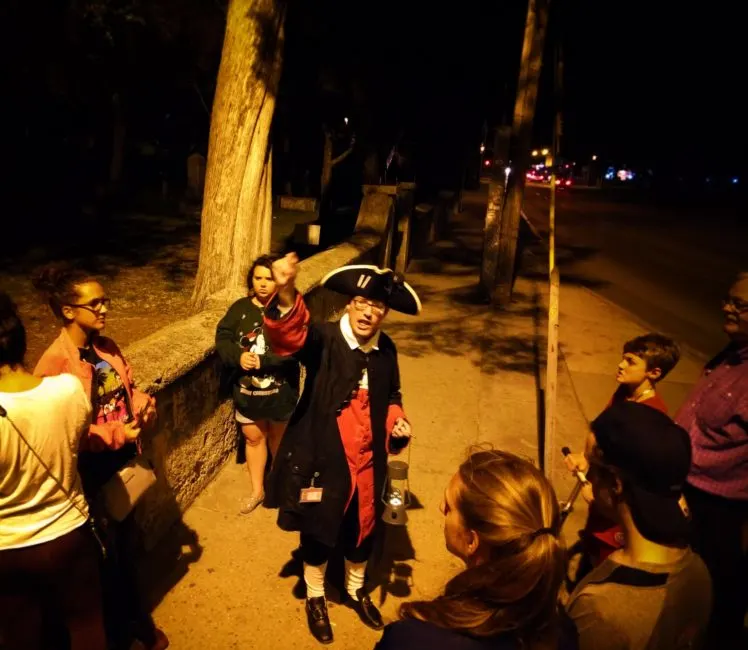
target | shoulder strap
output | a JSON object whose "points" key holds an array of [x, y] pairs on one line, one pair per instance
{"points": [[4, 414]]}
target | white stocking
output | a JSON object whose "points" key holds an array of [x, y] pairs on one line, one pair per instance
{"points": [[355, 574], [314, 576]]}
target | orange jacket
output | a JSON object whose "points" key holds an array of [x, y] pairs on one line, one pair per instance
{"points": [[63, 356]]}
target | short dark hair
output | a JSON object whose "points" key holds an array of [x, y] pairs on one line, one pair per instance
{"points": [[657, 350], [59, 285], [265, 261], [12, 333]]}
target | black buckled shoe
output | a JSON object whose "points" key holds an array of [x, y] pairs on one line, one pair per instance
{"points": [[367, 611], [318, 620]]}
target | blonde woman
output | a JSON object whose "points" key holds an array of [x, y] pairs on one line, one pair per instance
{"points": [[501, 519]]}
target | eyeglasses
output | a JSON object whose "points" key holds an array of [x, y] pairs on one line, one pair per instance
{"points": [[377, 308], [95, 305], [736, 303]]}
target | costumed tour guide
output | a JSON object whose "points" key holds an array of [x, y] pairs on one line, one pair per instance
{"points": [[332, 462]]}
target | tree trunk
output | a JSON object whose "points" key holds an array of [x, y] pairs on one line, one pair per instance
{"points": [[496, 196], [524, 113], [237, 206]]}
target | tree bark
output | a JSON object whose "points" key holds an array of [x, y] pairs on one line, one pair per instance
{"points": [[492, 228], [237, 206], [524, 113]]}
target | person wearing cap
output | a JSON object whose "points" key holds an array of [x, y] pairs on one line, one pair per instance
{"points": [[715, 415], [331, 467], [655, 592]]}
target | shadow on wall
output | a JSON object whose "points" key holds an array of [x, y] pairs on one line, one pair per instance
{"points": [[192, 440]]}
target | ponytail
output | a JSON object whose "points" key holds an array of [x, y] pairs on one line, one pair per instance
{"points": [[512, 507]]}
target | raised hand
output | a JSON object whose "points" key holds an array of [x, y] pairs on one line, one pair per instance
{"points": [[285, 270], [284, 273]]}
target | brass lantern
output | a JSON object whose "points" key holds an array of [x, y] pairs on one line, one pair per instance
{"points": [[396, 493]]}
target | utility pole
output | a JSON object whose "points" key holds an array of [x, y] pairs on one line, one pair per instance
{"points": [[551, 372], [524, 113]]}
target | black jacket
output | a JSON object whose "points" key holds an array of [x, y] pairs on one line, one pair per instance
{"points": [[312, 446], [411, 634]]}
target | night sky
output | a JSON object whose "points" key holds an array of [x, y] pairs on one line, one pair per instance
{"points": [[645, 83], [656, 82], [648, 84]]}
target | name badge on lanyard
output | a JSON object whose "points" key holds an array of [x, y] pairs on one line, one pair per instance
{"points": [[311, 494]]}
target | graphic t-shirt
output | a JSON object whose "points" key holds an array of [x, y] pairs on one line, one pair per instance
{"points": [[253, 340], [110, 404], [269, 392], [108, 393]]}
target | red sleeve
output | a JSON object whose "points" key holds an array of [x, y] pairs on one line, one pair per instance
{"points": [[394, 413], [288, 334]]}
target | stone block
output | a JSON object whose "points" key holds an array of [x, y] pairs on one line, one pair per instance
{"points": [[298, 203]]}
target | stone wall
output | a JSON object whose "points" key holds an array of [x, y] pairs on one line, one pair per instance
{"points": [[196, 433]]}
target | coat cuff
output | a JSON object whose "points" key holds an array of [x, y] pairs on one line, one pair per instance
{"points": [[394, 413], [287, 332]]}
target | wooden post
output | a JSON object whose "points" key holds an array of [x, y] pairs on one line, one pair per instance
{"points": [[551, 380], [524, 113], [492, 228], [491, 233], [551, 376]]}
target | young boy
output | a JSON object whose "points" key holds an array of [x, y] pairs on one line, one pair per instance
{"points": [[646, 360]]}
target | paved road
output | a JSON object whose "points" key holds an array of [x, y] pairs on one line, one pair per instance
{"points": [[669, 266]]}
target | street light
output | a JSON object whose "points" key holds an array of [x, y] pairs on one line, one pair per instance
{"points": [[345, 119], [534, 152], [544, 152], [594, 156], [482, 148]]}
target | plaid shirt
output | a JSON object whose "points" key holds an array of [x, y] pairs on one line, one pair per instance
{"points": [[716, 417]]}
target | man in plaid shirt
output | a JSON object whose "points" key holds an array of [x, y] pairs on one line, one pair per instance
{"points": [[716, 417]]}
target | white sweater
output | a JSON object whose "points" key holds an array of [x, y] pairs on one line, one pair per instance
{"points": [[52, 417]]}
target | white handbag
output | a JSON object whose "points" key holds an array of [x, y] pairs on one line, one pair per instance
{"points": [[126, 488]]}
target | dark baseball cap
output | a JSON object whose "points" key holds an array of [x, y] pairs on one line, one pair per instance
{"points": [[652, 455]]}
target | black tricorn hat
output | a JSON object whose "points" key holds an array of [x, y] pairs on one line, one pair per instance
{"points": [[375, 284]]}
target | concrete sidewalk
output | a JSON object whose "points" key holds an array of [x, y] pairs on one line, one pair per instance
{"points": [[469, 375]]}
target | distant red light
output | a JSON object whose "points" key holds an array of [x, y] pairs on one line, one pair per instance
{"points": [[487, 163], [568, 182]]}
